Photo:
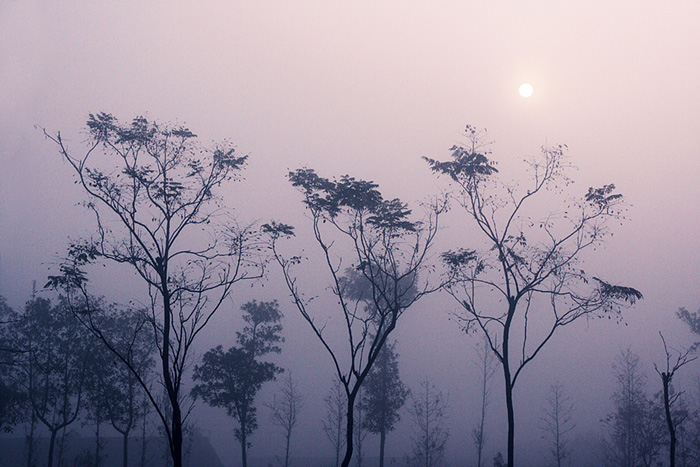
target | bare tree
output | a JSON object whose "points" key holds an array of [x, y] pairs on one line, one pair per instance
{"points": [[284, 412], [635, 428], [557, 423], [428, 410], [487, 370], [333, 424], [528, 265], [383, 246], [673, 363], [151, 189]]}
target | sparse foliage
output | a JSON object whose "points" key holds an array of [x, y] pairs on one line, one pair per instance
{"points": [[384, 259], [152, 191], [557, 424], [529, 263], [428, 411], [285, 410], [675, 360], [333, 425]]}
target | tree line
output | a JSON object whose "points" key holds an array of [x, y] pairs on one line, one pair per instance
{"points": [[153, 191]]}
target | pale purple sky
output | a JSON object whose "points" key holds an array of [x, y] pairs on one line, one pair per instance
{"points": [[366, 88]]}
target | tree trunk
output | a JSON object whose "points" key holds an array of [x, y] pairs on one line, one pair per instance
{"points": [[125, 450], [244, 446], [509, 384], [382, 441], [669, 421], [286, 450], [52, 442], [348, 431]]}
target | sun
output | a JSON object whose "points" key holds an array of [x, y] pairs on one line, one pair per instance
{"points": [[526, 90]]}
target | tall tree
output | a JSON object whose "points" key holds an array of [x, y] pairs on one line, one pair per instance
{"points": [[285, 411], [152, 190], [383, 245], [384, 395], [557, 423], [530, 266], [428, 411], [487, 370], [55, 365], [674, 362], [232, 379]]}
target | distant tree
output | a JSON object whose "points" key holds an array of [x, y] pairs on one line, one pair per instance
{"points": [[673, 363], [383, 245], [428, 411], [55, 365], [285, 411], [487, 370], [114, 393], [557, 424], [12, 398], [529, 265], [232, 379], [152, 190], [333, 425], [384, 395], [635, 427]]}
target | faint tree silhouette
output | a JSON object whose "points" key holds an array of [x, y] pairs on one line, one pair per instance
{"points": [[428, 411], [232, 379], [557, 423], [284, 411]]}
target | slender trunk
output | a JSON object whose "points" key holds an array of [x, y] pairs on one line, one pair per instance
{"points": [[176, 423], [97, 443], [509, 384], [125, 450], [669, 421], [348, 430], [244, 446], [382, 442], [30, 441], [286, 450], [52, 442]]}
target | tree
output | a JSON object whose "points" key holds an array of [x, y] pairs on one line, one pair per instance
{"points": [[487, 369], [233, 379], [55, 365], [285, 411], [557, 423], [333, 425], [383, 246], [673, 364], [12, 398], [636, 430], [428, 410], [361, 430], [528, 266], [385, 394], [152, 190], [113, 392]]}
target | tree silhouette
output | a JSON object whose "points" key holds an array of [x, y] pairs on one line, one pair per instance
{"points": [[383, 245], [285, 411], [384, 395], [233, 378], [529, 264], [151, 188]]}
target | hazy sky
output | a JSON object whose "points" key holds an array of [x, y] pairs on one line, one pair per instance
{"points": [[366, 88]]}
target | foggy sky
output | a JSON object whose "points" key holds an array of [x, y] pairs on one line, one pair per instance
{"points": [[367, 88]]}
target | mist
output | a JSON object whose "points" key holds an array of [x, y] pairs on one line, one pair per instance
{"points": [[369, 89]]}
